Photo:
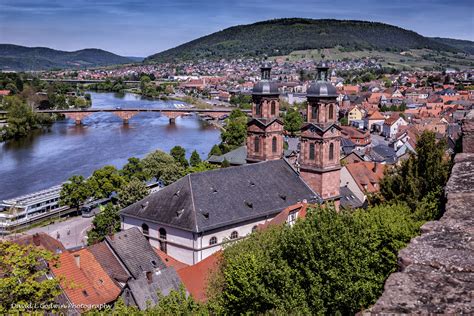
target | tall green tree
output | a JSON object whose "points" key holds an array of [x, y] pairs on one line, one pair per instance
{"points": [[235, 131], [215, 151], [22, 278], [74, 192], [104, 181], [293, 121], [133, 191], [194, 160], [162, 166], [133, 169], [106, 222], [179, 155], [419, 176]]}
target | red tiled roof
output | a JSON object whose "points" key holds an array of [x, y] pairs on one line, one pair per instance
{"points": [[88, 284], [282, 217], [4, 92], [365, 176], [196, 277], [170, 261], [376, 116], [41, 240]]}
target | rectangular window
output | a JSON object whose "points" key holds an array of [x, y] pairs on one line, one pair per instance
{"points": [[311, 151]]}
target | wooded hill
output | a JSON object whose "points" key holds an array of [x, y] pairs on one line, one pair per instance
{"points": [[21, 58], [283, 36]]}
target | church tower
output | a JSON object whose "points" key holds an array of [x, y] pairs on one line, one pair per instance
{"points": [[265, 129], [320, 139]]}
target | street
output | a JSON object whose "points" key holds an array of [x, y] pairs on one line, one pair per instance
{"points": [[76, 226]]}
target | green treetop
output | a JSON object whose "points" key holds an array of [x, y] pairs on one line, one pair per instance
{"points": [[194, 160]]}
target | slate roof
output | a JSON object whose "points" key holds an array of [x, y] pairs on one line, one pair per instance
{"points": [[348, 199], [381, 153], [104, 255], [237, 156], [162, 281], [217, 198], [135, 252]]}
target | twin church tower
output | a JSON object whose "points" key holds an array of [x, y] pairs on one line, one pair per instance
{"points": [[320, 135]]}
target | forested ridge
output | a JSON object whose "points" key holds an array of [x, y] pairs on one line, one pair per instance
{"points": [[282, 36], [21, 58]]}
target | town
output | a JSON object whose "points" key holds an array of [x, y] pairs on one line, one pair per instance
{"points": [[311, 180]]}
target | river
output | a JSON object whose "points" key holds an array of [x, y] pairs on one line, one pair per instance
{"points": [[47, 158]]}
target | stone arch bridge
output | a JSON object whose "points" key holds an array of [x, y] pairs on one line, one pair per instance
{"points": [[78, 115]]}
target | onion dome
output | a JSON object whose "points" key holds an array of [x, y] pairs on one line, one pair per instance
{"points": [[322, 88], [266, 86]]}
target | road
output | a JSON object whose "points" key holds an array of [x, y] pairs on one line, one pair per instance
{"points": [[77, 227]]}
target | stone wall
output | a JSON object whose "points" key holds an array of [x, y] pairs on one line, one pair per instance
{"points": [[436, 270]]}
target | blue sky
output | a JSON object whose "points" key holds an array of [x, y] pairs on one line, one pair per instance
{"points": [[144, 27]]}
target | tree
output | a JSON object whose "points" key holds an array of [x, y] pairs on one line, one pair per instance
{"points": [[104, 181], [344, 121], [195, 159], [293, 121], [215, 151], [133, 169], [133, 191], [74, 192], [20, 117], [162, 166], [420, 175], [235, 131], [330, 263], [23, 269], [179, 155], [201, 167], [225, 163], [106, 222]]}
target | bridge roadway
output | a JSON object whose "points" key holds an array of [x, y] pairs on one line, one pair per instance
{"points": [[85, 80], [126, 114]]}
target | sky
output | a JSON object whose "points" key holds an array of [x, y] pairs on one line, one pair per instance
{"points": [[144, 27]]}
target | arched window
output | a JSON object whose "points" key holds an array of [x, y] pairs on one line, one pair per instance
{"points": [[311, 151], [258, 109], [162, 240], [212, 241], [331, 151], [274, 144], [314, 114], [234, 235], [273, 108], [257, 144], [162, 233], [145, 229], [331, 112]]}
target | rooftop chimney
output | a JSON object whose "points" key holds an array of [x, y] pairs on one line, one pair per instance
{"points": [[36, 240], [77, 259]]}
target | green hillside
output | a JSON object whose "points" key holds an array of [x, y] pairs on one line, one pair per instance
{"points": [[465, 46], [283, 36], [20, 58]]}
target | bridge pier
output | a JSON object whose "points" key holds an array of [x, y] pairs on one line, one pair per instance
{"points": [[76, 116], [172, 116], [126, 115]]}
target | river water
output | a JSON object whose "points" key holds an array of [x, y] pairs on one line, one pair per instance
{"points": [[47, 158]]}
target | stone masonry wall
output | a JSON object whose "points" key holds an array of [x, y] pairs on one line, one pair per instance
{"points": [[436, 269]]}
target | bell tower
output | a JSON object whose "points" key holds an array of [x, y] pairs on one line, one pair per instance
{"points": [[320, 139], [265, 129]]}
